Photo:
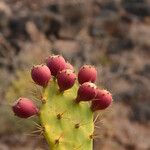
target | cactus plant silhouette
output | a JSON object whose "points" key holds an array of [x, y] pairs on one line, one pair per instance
{"points": [[66, 117]]}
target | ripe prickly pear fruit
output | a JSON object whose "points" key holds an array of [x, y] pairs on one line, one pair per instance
{"points": [[87, 73], [69, 66], [102, 100], [24, 108], [41, 75], [56, 63], [86, 92], [66, 79]]}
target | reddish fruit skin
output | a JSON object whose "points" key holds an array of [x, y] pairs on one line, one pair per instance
{"points": [[87, 73], [56, 63], [102, 100], [66, 79], [41, 75], [86, 92], [69, 66], [24, 108]]}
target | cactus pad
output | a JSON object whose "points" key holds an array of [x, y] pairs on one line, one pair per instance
{"points": [[67, 125]]}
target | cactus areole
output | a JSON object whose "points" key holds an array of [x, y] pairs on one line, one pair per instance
{"points": [[65, 114]]}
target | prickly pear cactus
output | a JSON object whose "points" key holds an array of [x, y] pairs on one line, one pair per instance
{"points": [[67, 125], [68, 105]]}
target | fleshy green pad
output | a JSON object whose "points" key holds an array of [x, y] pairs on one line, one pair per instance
{"points": [[67, 125]]}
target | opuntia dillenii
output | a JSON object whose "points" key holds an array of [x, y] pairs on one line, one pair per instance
{"points": [[69, 66], [102, 100], [41, 75], [56, 63], [24, 108], [87, 73], [86, 92], [66, 79]]}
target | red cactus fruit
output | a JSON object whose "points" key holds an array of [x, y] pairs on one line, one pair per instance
{"points": [[86, 92], [69, 66], [66, 79], [41, 75], [56, 63], [102, 100], [87, 73], [24, 108]]}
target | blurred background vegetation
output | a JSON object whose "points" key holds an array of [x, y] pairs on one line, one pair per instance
{"points": [[113, 35]]}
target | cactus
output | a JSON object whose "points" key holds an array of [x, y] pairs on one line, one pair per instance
{"points": [[66, 118], [87, 73], [69, 66], [66, 79], [41, 75], [102, 100], [56, 63], [24, 108], [86, 92]]}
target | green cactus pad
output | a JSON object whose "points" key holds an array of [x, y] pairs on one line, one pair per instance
{"points": [[67, 125]]}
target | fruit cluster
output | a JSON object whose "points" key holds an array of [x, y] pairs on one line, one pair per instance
{"points": [[67, 112], [63, 71]]}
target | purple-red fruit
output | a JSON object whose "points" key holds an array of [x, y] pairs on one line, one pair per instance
{"points": [[69, 66], [24, 108], [87, 73], [56, 63], [102, 100], [86, 92], [41, 75], [66, 79]]}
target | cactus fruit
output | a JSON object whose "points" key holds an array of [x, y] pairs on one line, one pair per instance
{"points": [[102, 100], [24, 108], [69, 66], [86, 92], [87, 73], [56, 63], [66, 79], [41, 75], [66, 122]]}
